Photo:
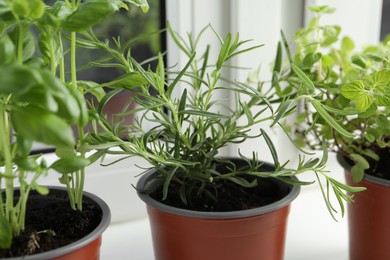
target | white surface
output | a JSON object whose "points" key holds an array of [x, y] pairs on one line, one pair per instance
{"points": [[312, 234]]}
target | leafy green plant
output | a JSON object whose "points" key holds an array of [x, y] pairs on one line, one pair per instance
{"points": [[38, 103], [190, 128], [347, 88]]}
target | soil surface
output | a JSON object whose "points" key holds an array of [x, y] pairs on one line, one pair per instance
{"points": [[381, 168], [226, 196], [51, 223]]}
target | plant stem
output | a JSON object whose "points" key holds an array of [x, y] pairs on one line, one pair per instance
{"points": [[62, 62], [20, 43], [52, 58], [8, 174], [80, 175]]}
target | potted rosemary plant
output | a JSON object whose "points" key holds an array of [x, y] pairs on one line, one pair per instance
{"points": [[202, 205], [354, 88], [39, 104]]}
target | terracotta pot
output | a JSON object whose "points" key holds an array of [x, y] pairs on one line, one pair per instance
{"points": [[87, 248], [236, 235], [368, 218]]}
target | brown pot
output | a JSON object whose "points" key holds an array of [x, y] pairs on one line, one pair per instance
{"points": [[368, 219], [237, 235]]}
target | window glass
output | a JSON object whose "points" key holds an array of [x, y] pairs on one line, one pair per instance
{"points": [[142, 32], [385, 24]]}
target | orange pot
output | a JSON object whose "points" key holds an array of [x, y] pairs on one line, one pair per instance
{"points": [[368, 216], [87, 248], [180, 234]]}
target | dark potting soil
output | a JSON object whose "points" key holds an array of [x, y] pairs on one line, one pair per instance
{"points": [[227, 196], [51, 223], [381, 168]]}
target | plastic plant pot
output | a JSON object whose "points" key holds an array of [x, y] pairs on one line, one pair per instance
{"points": [[257, 233], [87, 248]]}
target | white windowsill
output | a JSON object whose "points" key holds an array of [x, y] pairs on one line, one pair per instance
{"points": [[311, 234]]}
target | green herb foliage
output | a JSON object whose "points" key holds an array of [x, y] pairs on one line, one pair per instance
{"points": [[348, 89], [38, 103], [190, 126]]}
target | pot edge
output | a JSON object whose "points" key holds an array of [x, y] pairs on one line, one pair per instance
{"points": [[95, 234], [370, 178], [285, 201]]}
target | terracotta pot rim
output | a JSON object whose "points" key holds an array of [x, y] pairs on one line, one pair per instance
{"points": [[367, 177], [285, 201], [95, 234]]}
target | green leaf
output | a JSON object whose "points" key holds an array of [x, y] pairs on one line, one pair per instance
{"points": [[39, 97], [322, 9], [31, 8], [277, 68], [383, 122], [24, 146], [92, 87], [65, 151], [363, 102], [27, 163], [271, 147], [346, 187], [28, 41], [347, 44], [309, 84], [359, 61], [37, 8], [181, 74], [90, 13], [70, 164], [287, 48], [369, 112], [310, 59], [140, 3], [379, 80], [329, 119], [167, 182], [311, 163], [96, 156], [37, 124], [380, 84], [206, 114], [107, 98], [224, 52], [356, 91], [5, 233], [353, 90], [53, 17], [42, 190], [345, 112], [283, 108], [182, 106], [17, 79], [360, 166], [369, 137], [7, 50], [129, 81], [243, 182], [77, 104]]}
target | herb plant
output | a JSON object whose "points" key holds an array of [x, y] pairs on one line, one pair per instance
{"points": [[190, 128], [38, 103], [348, 88]]}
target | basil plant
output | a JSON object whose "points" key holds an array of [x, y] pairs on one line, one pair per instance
{"points": [[39, 102]]}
